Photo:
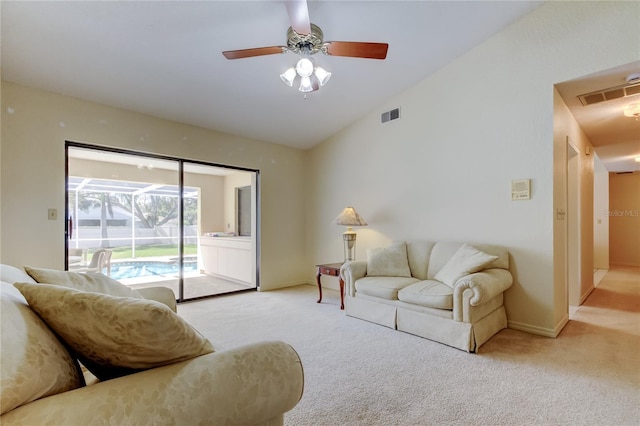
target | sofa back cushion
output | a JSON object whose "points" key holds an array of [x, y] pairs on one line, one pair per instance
{"points": [[443, 251], [34, 363], [418, 254], [11, 274], [388, 261], [95, 282]]}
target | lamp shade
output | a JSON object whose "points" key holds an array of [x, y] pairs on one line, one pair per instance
{"points": [[350, 217]]}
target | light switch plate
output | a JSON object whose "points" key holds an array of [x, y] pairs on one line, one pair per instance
{"points": [[53, 214]]}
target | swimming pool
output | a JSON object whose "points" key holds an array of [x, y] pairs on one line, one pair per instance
{"points": [[150, 268]]}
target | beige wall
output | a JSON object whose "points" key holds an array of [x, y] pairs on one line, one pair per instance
{"points": [[231, 182], [624, 219], [443, 170], [35, 125], [211, 199]]}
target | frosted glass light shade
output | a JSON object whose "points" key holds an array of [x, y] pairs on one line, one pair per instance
{"points": [[304, 67], [323, 75], [288, 76], [305, 85]]}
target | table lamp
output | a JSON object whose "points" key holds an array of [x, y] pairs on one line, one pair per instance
{"points": [[349, 217]]}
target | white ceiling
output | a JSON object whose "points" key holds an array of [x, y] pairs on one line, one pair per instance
{"points": [[164, 59]]}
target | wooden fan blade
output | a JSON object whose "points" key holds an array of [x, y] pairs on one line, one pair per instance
{"points": [[357, 49], [299, 16], [258, 51]]}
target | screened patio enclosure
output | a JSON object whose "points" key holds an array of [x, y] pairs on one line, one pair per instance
{"points": [[149, 221], [117, 225]]}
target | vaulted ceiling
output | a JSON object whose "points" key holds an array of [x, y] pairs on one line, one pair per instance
{"points": [[164, 58]]}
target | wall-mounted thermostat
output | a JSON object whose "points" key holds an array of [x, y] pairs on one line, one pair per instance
{"points": [[521, 189]]}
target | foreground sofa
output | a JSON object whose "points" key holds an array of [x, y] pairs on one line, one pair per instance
{"points": [[449, 292], [42, 381]]}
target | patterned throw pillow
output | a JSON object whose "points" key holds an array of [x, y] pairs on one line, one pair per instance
{"points": [[388, 261], [465, 261], [115, 336], [35, 363], [97, 283]]}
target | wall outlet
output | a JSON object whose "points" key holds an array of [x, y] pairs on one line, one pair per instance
{"points": [[53, 214]]}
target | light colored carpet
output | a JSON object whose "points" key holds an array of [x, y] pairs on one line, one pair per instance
{"points": [[358, 373]]}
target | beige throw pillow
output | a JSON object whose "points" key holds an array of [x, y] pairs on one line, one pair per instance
{"points": [[388, 261], [115, 336], [465, 261], [97, 283], [34, 363]]}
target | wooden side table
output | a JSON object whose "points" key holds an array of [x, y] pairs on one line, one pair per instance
{"points": [[332, 269]]}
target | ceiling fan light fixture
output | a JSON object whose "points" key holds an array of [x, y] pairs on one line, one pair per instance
{"points": [[304, 67], [305, 85], [632, 110], [288, 76], [323, 75]]}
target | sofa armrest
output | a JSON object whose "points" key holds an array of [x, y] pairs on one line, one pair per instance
{"points": [[160, 294], [350, 272], [243, 386], [483, 286]]}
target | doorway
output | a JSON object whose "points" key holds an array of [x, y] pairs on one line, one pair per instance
{"points": [[150, 220]]}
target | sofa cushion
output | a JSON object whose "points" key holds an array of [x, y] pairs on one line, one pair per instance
{"points": [[418, 254], [429, 293], [35, 363], [98, 283], [115, 336], [465, 261], [388, 261], [383, 287], [11, 274]]}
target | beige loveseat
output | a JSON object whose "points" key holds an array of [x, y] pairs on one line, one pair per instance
{"points": [[42, 381], [449, 292]]}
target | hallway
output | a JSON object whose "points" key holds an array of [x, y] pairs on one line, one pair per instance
{"points": [[614, 303]]}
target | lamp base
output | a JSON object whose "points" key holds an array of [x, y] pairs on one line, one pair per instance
{"points": [[349, 238]]}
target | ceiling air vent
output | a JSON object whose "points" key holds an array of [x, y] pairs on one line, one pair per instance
{"points": [[609, 94], [390, 115]]}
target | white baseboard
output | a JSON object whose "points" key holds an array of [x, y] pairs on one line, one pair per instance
{"points": [[285, 285], [586, 294], [541, 331], [598, 275]]}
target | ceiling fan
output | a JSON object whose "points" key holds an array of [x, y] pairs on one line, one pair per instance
{"points": [[306, 39]]}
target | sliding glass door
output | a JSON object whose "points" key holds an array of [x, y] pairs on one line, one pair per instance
{"points": [[151, 220]]}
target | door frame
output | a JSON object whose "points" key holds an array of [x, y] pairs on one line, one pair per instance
{"points": [[255, 208]]}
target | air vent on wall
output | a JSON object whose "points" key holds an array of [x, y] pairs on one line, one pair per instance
{"points": [[609, 94], [390, 115]]}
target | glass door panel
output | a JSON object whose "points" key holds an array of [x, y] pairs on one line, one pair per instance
{"points": [[225, 260], [149, 220], [124, 217]]}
